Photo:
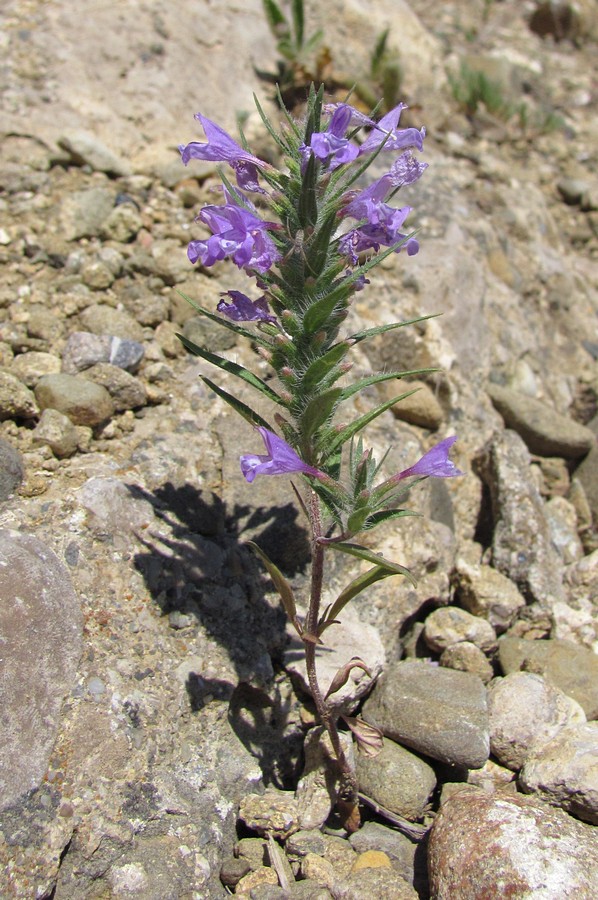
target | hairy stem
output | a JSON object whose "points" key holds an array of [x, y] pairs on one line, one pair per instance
{"points": [[348, 782]]}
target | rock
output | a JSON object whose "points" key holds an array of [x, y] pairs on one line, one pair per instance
{"points": [[378, 882], [166, 337], [466, 657], [11, 469], [96, 275], [86, 149], [397, 780], [526, 712], [273, 812], [436, 711], [371, 859], [250, 882], [16, 400], [562, 523], [449, 625], [30, 367], [494, 845], [572, 190], [84, 349], [521, 542], [41, 627], [587, 474], [577, 620], [421, 408], [84, 402], [127, 392], [566, 665], [56, 431], [114, 509], [83, 212], [102, 320], [316, 790], [399, 849], [351, 638], [563, 771], [544, 431], [486, 592], [491, 778], [46, 325], [206, 333], [170, 262], [122, 224]]}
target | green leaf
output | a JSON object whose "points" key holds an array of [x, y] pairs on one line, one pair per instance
{"points": [[226, 323], [381, 329], [376, 379], [321, 367], [318, 247], [282, 586], [318, 411], [320, 311], [340, 437], [385, 515], [308, 204], [370, 556], [298, 22], [359, 584], [273, 14], [232, 368], [248, 414], [269, 127]]}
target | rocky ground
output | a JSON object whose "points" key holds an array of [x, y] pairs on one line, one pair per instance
{"points": [[158, 738]]}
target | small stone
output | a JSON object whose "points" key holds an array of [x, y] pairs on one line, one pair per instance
{"points": [[45, 325], [564, 771], [30, 367], [83, 212], [263, 875], [378, 882], [371, 859], [492, 777], [448, 625], [253, 850], [102, 320], [11, 469], [314, 796], [484, 591], [436, 711], [396, 779], [421, 408], [232, 870], [566, 665], [165, 336], [16, 400], [399, 849], [319, 870], [303, 842], [273, 812], [122, 224], [86, 149], [96, 275], [562, 522], [56, 431], [84, 402], [206, 333], [466, 657], [526, 712], [127, 392], [545, 431], [572, 190], [84, 349]]}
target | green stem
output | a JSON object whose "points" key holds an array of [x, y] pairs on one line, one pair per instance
{"points": [[348, 783]]}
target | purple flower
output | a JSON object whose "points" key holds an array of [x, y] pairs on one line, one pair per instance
{"points": [[331, 146], [236, 232], [280, 459], [435, 463], [398, 138], [242, 309], [406, 169], [222, 148], [382, 225]]}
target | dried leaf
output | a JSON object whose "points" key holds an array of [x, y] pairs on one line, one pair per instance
{"points": [[342, 676], [369, 738]]}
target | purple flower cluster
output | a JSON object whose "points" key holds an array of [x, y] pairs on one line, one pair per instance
{"points": [[280, 459]]}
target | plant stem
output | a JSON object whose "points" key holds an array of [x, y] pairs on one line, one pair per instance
{"points": [[348, 783]]}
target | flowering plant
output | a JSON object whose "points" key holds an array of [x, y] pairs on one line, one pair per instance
{"points": [[308, 266]]}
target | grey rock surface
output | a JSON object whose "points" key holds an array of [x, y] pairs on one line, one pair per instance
{"points": [[397, 779], [41, 630], [438, 712], [16, 400], [11, 469], [449, 625], [84, 402], [485, 591]]}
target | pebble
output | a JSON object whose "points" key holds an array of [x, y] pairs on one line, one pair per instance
{"points": [[352, 638], [313, 794], [587, 474], [16, 400], [273, 812], [126, 390], [436, 711], [247, 884], [371, 859], [396, 779], [205, 333], [30, 367], [466, 657], [103, 320], [83, 212], [42, 627], [526, 712], [421, 408], [378, 882], [566, 665], [84, 349], [521, 541], [11, 469], [545, 431], [484, 591], [56, 431], [86, 149], [572, 190], [84, 402], [449, 625], [399, 849], [499, 845], [564, 771], [562, 523], [122, 224]]}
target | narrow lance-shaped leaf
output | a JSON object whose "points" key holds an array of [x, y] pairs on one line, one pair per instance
{"points": [[232, 368], [318, 411], [359, 584], [377, 379], [248, 414], [321, 367], [370, 556], [282, 586], [381, 329], [342, 436]]}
